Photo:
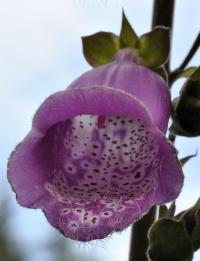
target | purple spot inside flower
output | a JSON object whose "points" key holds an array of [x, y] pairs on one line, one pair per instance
{"points": [[91, 177]]}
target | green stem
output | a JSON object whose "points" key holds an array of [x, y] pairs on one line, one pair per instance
{"points": [[162, 15], [191, 53], [139, 236], [172, 137], [175, 74]]}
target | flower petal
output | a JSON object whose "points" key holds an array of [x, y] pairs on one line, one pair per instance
{"points": [[86, 226], [96, 100], [27, 172], [171, 178], [136, 80]]}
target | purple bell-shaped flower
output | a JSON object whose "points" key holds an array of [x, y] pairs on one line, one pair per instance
{"points": [[96, 158]]}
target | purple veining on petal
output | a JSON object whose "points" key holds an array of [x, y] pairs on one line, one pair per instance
{"points": [[123, 73]]}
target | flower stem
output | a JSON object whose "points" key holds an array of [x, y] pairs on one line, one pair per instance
{"points": [[139, 236], [172, 137], [174, 75], [191, 53], [162, 15]]}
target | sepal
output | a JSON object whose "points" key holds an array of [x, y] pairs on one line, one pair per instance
{"points": [[186, 108], [169, 240], [100, 48]]}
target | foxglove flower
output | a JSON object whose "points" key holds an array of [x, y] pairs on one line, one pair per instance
{"points": [[96, 158]]}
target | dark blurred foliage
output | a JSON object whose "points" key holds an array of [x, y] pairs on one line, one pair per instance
{"points": [[9, 251], [56, 246]]}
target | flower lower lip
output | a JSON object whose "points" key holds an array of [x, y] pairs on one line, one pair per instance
{"points": [[114, 163]]}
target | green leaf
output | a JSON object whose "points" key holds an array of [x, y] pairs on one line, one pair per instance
{"points": [[100, 48], [186, 108], [177, 129], [169, 241], [155, 46], [187, 72], [191, 217], [162, 72], [176, 74], [171, 210], [162, 211], [196, 231], [128, 37], [184, 160]]}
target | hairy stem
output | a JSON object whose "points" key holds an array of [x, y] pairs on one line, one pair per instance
{"points": [[162, 16]]}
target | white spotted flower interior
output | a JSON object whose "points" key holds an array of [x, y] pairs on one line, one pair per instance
{"points": [[96, 158]]}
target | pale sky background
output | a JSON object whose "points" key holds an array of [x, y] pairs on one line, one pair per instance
{"points": [[41, 53]]}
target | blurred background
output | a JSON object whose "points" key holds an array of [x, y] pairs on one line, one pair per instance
{"points": [[41, 53]]}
